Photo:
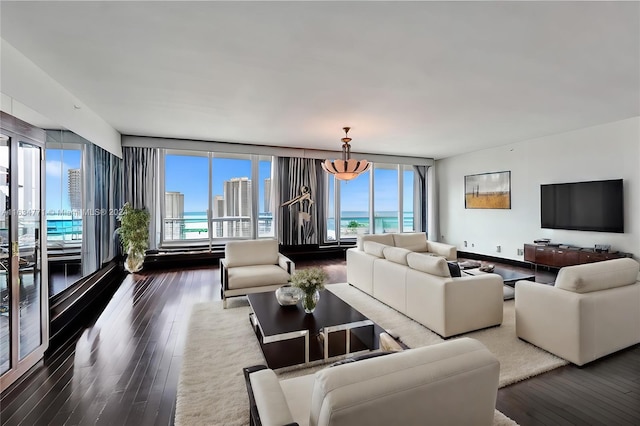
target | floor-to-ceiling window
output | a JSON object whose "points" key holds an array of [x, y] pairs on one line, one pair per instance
{"points": [[186, 198], [266, 203], [231, 186], [385, 198], [64, 196], [408, 198], [64, 177], [354, 206], [331, 209], [389, 188], [214, 196]]}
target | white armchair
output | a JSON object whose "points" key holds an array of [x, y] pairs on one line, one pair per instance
{"points": [[593, 310], [454, 383], [253, 266]]}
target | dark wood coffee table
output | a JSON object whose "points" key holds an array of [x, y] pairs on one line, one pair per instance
{"points": [[509, 278], [288, 336]]}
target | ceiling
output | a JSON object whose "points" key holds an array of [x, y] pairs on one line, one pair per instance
{"points": [[428, 79]]}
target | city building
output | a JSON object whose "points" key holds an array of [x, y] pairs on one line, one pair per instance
{"points": [[174, 225], [237, 207], [74, 183]]}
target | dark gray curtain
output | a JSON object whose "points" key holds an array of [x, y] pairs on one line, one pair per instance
{"points": [[420, 197], [102, 193], [293, 227], [141, 185]]}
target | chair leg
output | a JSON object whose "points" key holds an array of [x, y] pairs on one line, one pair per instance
{"points": [[224, 303]]}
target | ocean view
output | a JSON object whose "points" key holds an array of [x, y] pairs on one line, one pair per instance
{"points": [[194, 226]]}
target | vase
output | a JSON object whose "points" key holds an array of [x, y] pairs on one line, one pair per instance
{"points": [[287, 295], [310, 300]]}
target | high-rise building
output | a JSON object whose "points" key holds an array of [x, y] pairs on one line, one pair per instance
{"points": [[174, 215], [237, 203], [218, 211], [267, 195], [74, 186]]}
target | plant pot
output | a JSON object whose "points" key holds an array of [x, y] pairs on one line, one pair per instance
{"points": [[134, 261]]}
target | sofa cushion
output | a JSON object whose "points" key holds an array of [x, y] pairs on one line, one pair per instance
{"points": [[374, 248], [257, 276], [386, 239], [251, 252], [415, 241], [433, 265], [396, 254], [598, 276]]}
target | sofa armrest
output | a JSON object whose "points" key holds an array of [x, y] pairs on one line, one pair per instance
{"points": [[268, 402], [549, 318], [448, 251], [285, 263], [224, 273]]}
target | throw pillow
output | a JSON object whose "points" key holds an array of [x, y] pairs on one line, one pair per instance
{"points": [[454, 269]]}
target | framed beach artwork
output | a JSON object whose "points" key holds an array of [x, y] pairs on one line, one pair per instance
{"points": [[488, 191]]}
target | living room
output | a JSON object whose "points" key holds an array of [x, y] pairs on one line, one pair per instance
{"points": [[546, 105]]}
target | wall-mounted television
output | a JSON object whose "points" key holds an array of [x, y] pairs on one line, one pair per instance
{"points": [[583, 206]]}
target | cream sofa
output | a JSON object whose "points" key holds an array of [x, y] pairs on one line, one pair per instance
{"points": [[451, 383], [253, 266], [420, 286], [593, 310]]}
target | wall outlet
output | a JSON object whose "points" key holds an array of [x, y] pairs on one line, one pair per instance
{"points": [[520, 252], [465, 243], [498, 248], [473, 245]]}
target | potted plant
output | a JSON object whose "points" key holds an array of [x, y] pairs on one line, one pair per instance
{"points": [[310, 282], [134, 235]]}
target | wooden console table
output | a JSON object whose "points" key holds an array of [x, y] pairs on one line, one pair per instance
{"points": [[557, 257]]}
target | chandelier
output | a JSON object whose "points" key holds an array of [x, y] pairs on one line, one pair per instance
{"points": [[347, 168]]}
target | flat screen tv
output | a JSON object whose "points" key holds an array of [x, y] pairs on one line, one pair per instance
{"points": [[583, 206]]}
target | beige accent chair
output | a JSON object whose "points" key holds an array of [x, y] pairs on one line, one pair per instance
{"points": [[593, 310], [253, 266], [450, 383]]}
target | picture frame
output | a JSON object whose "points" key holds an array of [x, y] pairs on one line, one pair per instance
{"points": [[488, 190]]}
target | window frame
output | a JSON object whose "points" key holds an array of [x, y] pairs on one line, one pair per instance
{"points": [[400, 168], [211, 241]]}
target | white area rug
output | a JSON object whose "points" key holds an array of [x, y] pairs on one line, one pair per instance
{"points": [[220, 342]]}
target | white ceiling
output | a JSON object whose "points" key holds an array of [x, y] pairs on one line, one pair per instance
{"points": [[430, 79]]}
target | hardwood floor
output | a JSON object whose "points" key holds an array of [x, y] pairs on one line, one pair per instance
{"points": [[123, 368]]}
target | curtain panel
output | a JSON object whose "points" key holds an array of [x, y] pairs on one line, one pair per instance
{"points": [[102, 192], [301, 188], [420, 198], [141, 185]]}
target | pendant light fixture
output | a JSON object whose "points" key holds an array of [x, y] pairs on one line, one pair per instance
{"points": [[347, 168]]}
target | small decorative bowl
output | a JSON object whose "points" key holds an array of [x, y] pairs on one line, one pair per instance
{"points": [[287, 295]]}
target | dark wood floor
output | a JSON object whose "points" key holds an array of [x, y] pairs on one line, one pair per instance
{"points": [[123, 368]]}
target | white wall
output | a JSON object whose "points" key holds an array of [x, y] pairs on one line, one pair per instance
{"points": [[25, 86], [609, 151]]}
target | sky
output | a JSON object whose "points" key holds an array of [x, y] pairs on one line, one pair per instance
{"points": [[190, 175], [57, 167]]}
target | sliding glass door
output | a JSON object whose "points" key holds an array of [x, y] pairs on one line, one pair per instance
{"points": [[23, 288]]}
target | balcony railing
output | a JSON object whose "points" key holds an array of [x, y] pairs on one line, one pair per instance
{"points": [[177, 229]]}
